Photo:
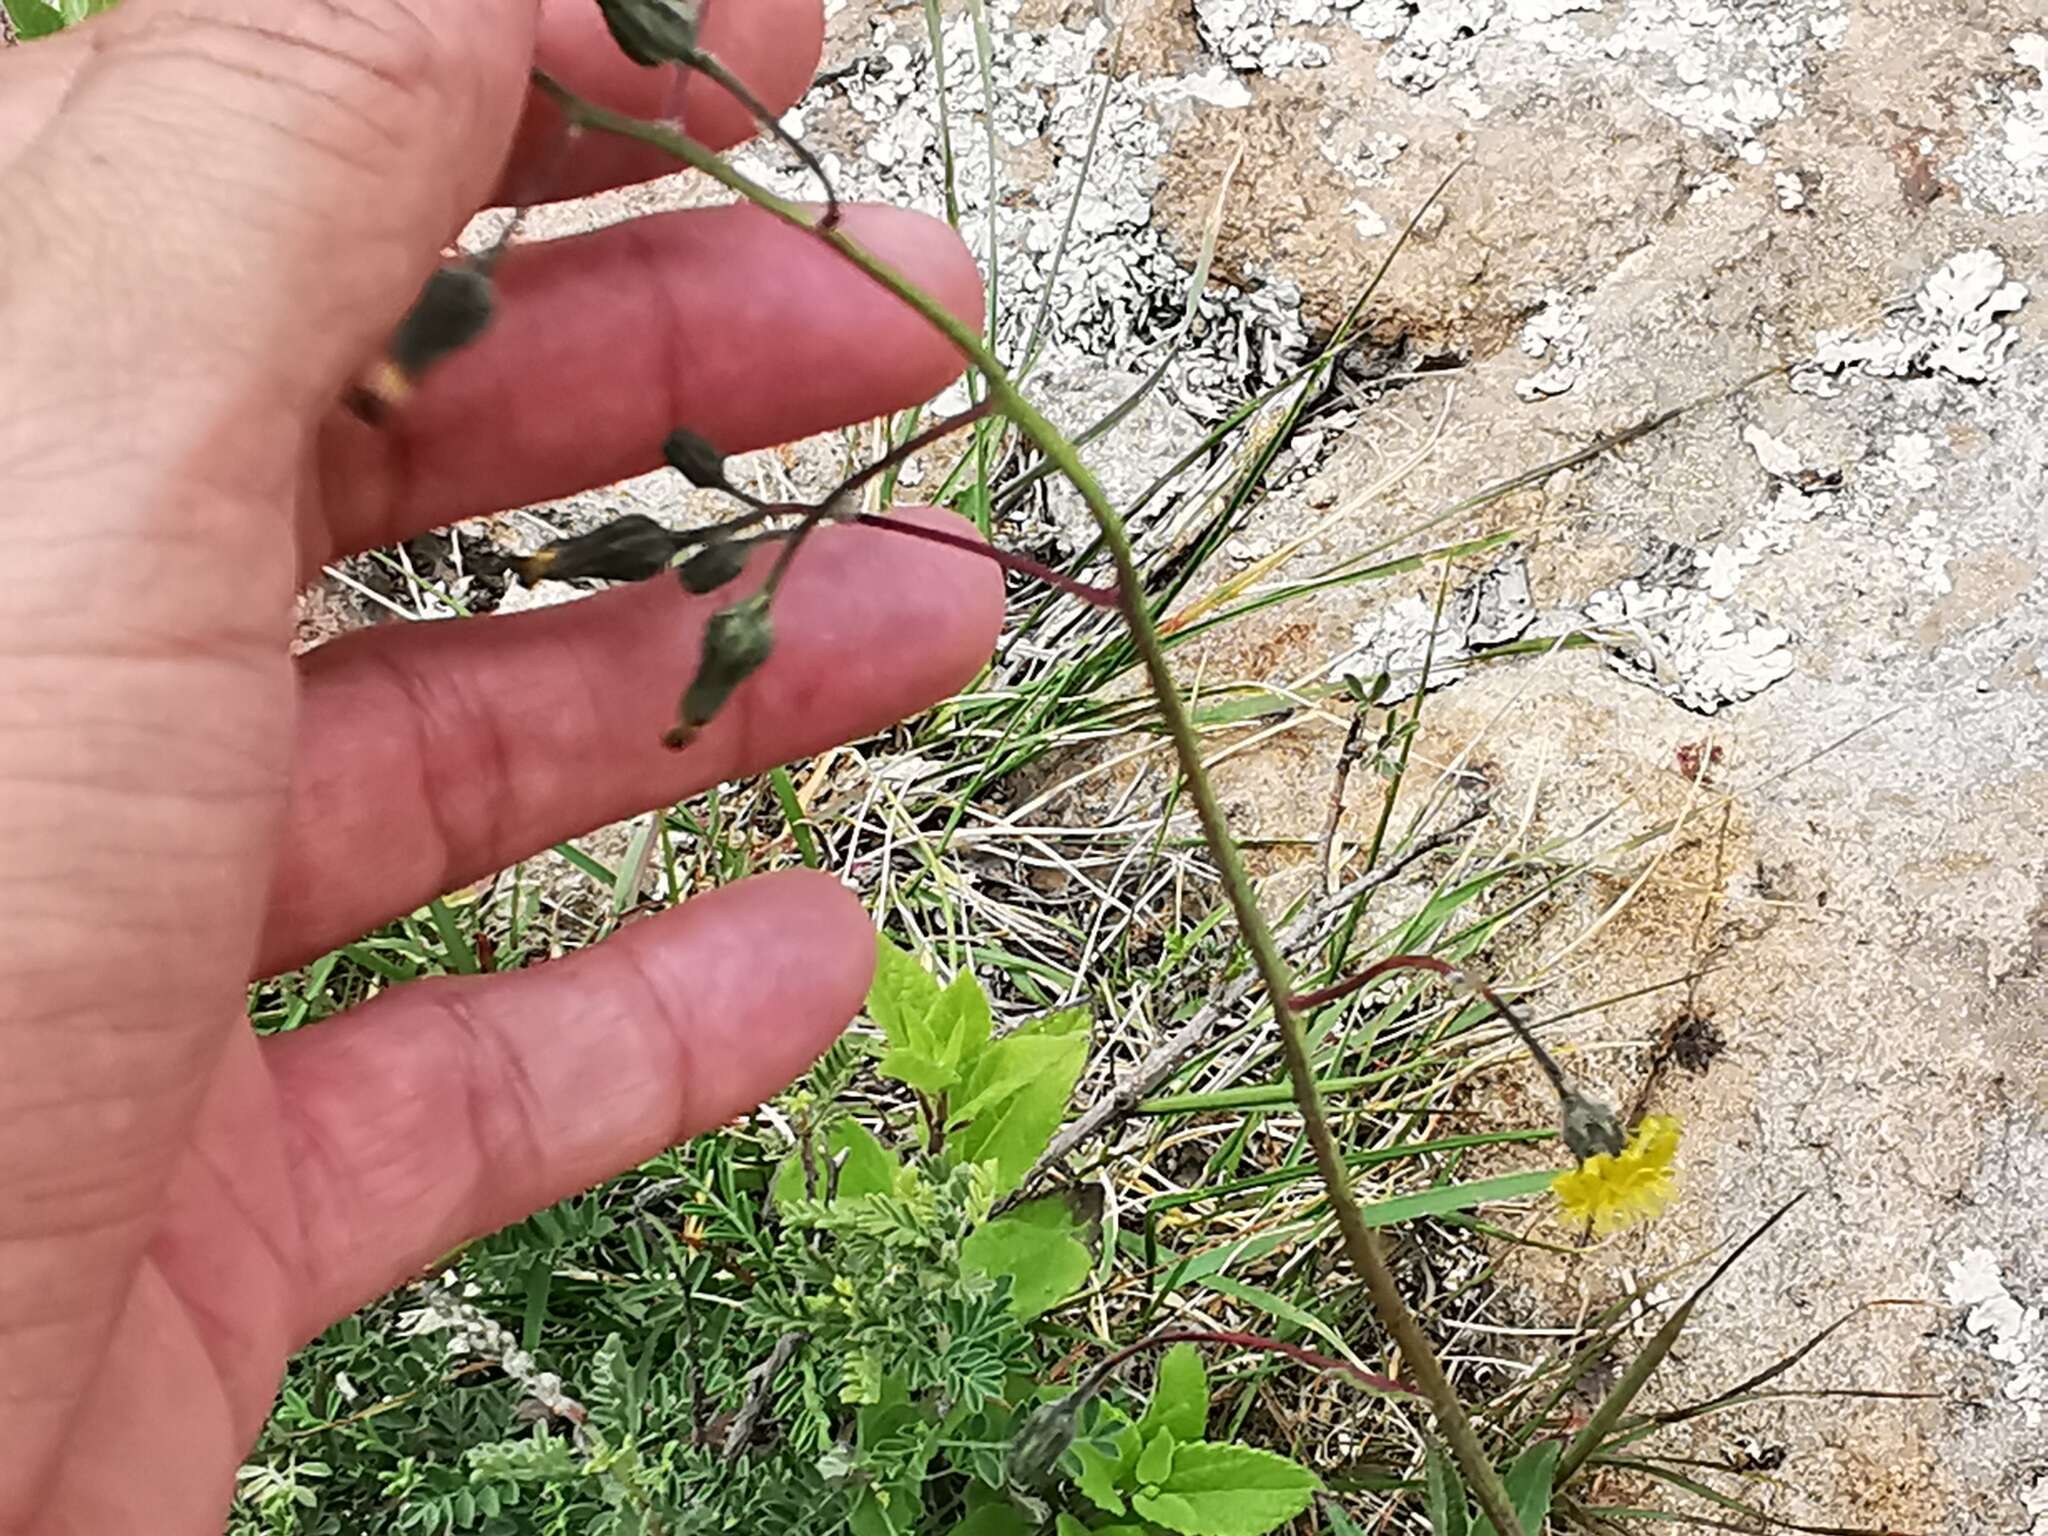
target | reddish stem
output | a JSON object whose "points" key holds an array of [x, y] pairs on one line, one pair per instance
{"points": [[1457, 978], [1024, 565]]}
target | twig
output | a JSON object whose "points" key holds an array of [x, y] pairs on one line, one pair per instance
{"points": [[1347, 759], [760, 1381], [1362, 1245]]}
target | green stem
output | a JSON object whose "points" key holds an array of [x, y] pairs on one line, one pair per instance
{"points": [[1361, 1243]]}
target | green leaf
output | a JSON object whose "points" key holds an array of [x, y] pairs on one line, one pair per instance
{"points": [[1015, 1131], [33, 18], [1171, 1511], [1529, 1483], [1443, 1495], [1015, 1064], [1233, 1490], [909, 1065], [1044, 1264], [956, 1027], [866, 1167], [1180, 1396], [1099, 1478], [1445, 1199], [1155, 1462], [902, 993], [1065, 1525]]}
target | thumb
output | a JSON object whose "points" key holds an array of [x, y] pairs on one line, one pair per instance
{"points": [[248, 191]]}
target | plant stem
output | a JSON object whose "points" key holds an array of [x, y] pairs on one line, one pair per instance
{"points": [[1361, 1243]]}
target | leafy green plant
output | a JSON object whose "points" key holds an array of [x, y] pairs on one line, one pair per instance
{"points": [[1159, 1474], [39, 18]]}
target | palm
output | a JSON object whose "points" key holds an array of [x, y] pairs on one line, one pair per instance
{"points": [[185, 808]]}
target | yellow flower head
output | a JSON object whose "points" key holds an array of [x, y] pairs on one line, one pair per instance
{"points": [[1618, 1191]]}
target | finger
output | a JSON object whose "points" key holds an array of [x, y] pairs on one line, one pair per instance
{"points": [[772, 45], [431, 755], [451, 1108], [723, 320]]}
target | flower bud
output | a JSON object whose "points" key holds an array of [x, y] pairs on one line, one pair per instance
{"points": [[1590, 1127], [736, 642], [712, 566], [452, 310], [653, 32], [630, 548], [700, 463]]}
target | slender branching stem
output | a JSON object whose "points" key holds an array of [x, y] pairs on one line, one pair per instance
{"points": [[1024, 565], [1361, 1243], [1460, 980]]}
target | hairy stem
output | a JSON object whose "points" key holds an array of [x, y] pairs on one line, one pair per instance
{"points": [[1361, 1243]]}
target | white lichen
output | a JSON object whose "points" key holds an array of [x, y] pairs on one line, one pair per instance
{"points": [[2005, 171], [1954, 328], [1688, 645], [2012, 1334], [1556, 333], [1404, 636], [1910, 461], [1262, 35]]}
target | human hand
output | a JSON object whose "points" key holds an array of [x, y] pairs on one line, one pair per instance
{"points": [[211, 213]]}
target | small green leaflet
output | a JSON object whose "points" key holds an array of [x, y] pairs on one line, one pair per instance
{"points": [[1102, 1477], [1155, 1462], [902, 993], [1443, 1495], [1020, 1121], [934, 1036], [1180, 1396]]}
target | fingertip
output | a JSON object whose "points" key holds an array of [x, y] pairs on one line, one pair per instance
{"points": [[792, 951], [780, 42], [932, 255], [976, 588]]}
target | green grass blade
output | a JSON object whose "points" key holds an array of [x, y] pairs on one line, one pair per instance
{"points": [[1640, 1369]]}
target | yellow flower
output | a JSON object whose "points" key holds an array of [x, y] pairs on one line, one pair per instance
{"points": [[1615, 1192]]}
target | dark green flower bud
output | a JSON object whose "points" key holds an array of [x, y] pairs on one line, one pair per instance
{"points": [[653, 32], [712, 566], [700, 463], [630, 548], [1041, 1440], [1590, 1126], [736, 642], [453, 309]]}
